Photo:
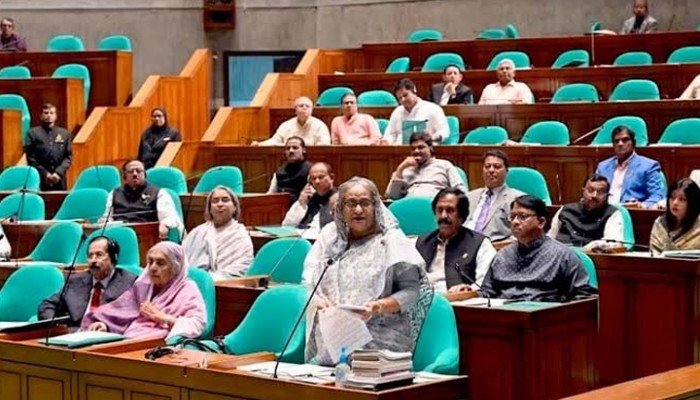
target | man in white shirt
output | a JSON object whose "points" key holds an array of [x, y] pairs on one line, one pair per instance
{"points": [[415, 110], [312, 210], [304, 125], [421, 174], [506, 90]]}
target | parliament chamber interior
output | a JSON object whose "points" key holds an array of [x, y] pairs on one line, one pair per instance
{"points": [[339, 199]]}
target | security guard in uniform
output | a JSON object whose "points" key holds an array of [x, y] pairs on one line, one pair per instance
{"points": [[48, 149]]}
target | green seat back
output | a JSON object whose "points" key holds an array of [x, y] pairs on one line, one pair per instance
{"points": [[167, 178], [115, 42], [25, 289], [664, 182], [486, 135], [573, 58], [520, 59], [228, 176], [685, 55], [332, 96], [19, 177], [65, 43], [437, 62], [529, 181], [376, 98], [134, 269], [17, 102], [59, 243], [463, 176], [206, 287], [399, 65], [635, 90], [15, 72], [173, 234], [415, 215], [492, 33], [77, 71], [635, 123], [283, 258], [23, 207], [382, 123], [512, 31], [576, 93], [684, 131], [633, 58], [89, 204], [124, 236], [269, 323], [595, 26], [627, 227], [99, 176], [548, 133], [424, 35], [437, 347], [588, 264], [453, 123]]}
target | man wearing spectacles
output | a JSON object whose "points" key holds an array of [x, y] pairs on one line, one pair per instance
{"points": [[591, 222], [312, 211], [635, 180], [536, 267], [9, 40]]}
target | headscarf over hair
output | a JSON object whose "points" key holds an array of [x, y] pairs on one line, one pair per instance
{"points": [[234, 198], [165, 119]]}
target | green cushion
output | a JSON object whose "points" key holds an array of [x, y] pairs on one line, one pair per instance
{"points": [[589, 265], [548, 133], [332, 96], [635, 90], [115, 42], [437, 62], [58, 244], [415, 215], [167, 178], [463, 176], [637, 124], [105, 177], [76, 71], [23, 207], [399, 65], [25, 289], [125, 237], [453, 123], [627, 227], [575, 93], [486, 135], [437, 347], [520, 59], [88, 203], [685, 55], [684, 131], [228, 176], [17, 102], [15, 72], [376, 98], [423, 35], [283, 258], [206, 287], [19, 177], [512, 31], [492, 33], [573, 58], [529, 181], [65, 43], [632, 58]]}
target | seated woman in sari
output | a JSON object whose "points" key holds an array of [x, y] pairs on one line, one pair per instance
{"points": [[370, 263], [679, 227], [221, 245], [163, 302]]}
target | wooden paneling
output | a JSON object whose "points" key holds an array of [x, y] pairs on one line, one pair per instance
{"points": [[110, 71], [20, 381], [256, 208], [98, 387], [11, 134]]}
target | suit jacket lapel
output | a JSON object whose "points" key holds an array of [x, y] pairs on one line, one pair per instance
{"points": [[496, 203]]}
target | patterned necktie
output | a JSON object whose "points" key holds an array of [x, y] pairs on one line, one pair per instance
{"points": [[481, 221], [96, 296]]}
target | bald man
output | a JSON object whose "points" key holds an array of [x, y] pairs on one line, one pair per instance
{"points": [[506, 90], [304, 125]]}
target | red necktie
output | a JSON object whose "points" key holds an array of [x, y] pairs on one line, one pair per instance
{"points": [[96, 296]]}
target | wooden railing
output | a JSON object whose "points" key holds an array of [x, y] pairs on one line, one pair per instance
{"points": [[111, 135], [11, 134]]}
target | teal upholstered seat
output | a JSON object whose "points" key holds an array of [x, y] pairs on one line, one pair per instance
{"points": [[228, 176], [19, 177], [576, 93], [589, 265], [486, 135], [15, 72], [415, 215], [128, 243], [529, 181], [23, 207], [424, 35], [76, 71], [399, 65], [376, 98], [635, 90], [437, 347], [437, 62], [520, 59], [206, 287], [332, 96], [685, 55], [684, 131], [99, 176], [17, 102], [573, 58], [382, 123], [58, 244], [635, 123], [65, 43], [453, 123], [548, 133], [115, 42], [633, 58], [463, 176], [25, 289], [88, 204], [512, 32], [492, 33], [282, 258], [168, 178]]}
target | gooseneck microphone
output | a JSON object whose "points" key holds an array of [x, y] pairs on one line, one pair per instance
{"points": [[473, 282]]}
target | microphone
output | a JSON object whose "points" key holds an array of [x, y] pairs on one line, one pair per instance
{"points": [[670, 24], [302, 314], [641, 246], [473, 282], [407, 126], [279, 261], [587, 134], [20, 208]]}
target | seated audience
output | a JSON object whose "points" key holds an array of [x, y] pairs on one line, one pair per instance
{"points": [[9, 40], [304, 125], [489, 206], [641, 22], [590, 222], [352, 127], [101, 284], [537, 267], [156, 137], [221, 245], [506, 90], [414, 111], [634, 180], [137, 200], [375, 267], [293, 175], [679, 227], [311, 211], [451, 90], [49, 150], [455, 256], [162, 302], [692, 92], [421, 174]]}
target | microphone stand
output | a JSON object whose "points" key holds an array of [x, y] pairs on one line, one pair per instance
{"points": [[473, 282], [20, 208]]}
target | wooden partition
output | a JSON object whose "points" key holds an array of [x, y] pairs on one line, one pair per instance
{"points": [[111, 135], [11, 134], [110, 71]]}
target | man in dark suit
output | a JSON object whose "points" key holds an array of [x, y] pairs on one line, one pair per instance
{"points": [[49, 150], [451, 90], [102, 284]]}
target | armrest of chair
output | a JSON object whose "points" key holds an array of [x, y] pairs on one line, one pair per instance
{"points": [[447, 362]]}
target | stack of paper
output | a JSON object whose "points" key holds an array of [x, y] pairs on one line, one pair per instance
{"points": [[380, 369], [693, 254], [80, 339]]}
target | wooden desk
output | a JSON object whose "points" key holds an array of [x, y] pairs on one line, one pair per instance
{"points": [[516, 118], [11, 133], [542, 354], [257, 208], [672, 79], [564, 168], [110, 71], [32, 371], [232, 305], [649, 315]]}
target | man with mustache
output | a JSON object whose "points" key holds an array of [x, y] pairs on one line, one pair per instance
{"points": [[101, 284], [455, 256]]}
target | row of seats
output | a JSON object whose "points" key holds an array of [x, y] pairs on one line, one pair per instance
{"points": [[433, 35], [571, 58], [75, 43]]}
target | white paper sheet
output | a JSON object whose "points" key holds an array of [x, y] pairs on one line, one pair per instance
{"points": [[341, 328]]}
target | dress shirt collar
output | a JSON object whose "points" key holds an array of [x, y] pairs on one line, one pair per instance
{"points": [[104, 281], [510, 83], [627, 161]]}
